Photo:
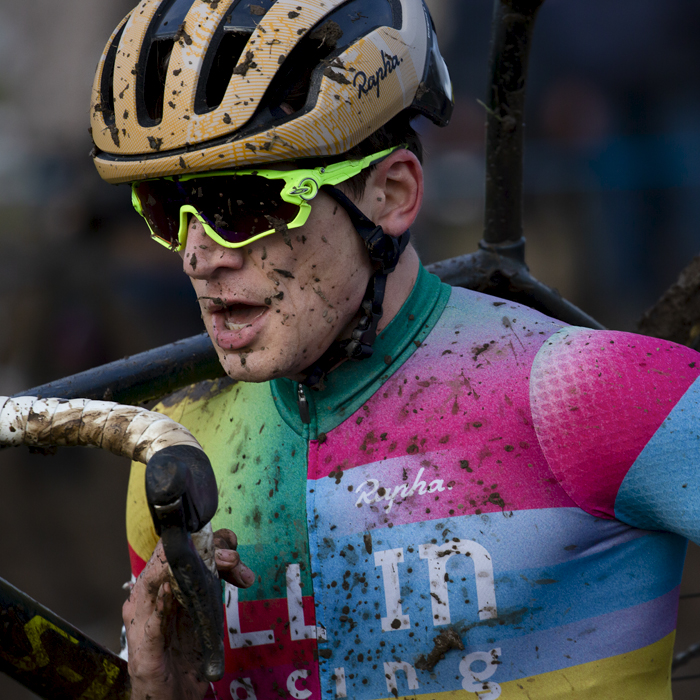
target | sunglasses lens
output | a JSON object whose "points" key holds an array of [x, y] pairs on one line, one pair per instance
{"points": [[160, 202], [240, 207]]}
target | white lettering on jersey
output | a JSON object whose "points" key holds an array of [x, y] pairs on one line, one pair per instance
{"points": [[297, 628], [292, 685], [236, 638], [244, 685], [341, 690], [389, 560], [377, 493], [390, 670], [437, 556], [475, 681]]}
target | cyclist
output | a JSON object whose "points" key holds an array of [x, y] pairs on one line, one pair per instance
{"points": [[434, 490]]}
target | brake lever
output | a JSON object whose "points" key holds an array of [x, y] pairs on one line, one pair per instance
{"points": [[182, 497]]}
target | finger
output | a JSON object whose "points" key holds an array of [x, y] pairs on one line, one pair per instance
{"points": [[232, 569], [225, 539], [156, 571], [147, 587], [154, 629], [147, 658]]}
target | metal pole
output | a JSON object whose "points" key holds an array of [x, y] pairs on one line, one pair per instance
{"points": [[513, 22]]}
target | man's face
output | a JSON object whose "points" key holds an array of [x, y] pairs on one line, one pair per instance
{"points": [[273, 307]]}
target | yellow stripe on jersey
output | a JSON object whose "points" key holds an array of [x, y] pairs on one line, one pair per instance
{"points": [[140, 532], [644, 674]]}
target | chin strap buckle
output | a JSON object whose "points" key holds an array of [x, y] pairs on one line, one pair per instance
{"points": [[384, 250]]}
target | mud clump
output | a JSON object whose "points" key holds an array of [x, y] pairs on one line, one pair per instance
{"points": [[280, 227], [245, 65], [328, 34], [337, 77], [444, 642]]}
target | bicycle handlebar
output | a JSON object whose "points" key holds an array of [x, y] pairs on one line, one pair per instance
{"points": [[180, 489]]}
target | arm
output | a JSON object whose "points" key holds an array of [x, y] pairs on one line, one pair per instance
{"points": [[618, 418]]}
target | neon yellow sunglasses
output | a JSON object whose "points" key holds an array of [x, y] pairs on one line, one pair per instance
{"points": [[237, 207]]}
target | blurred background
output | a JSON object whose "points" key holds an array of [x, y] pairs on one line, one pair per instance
{"points": [[612, 215]]}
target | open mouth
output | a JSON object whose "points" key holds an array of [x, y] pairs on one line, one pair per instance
{"points": [[239, 316]]}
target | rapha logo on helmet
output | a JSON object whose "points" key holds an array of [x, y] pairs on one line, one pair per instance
{"points": [[365, 84]]}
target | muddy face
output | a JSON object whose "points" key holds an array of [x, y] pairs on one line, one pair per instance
{"points": [[273, 307]]}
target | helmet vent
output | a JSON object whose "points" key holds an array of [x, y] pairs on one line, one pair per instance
{"points": [[154, 80], [218, 69], [106, 105], [302, 70]]}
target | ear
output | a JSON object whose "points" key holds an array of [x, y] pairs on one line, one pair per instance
{"points": [[394, 192]]}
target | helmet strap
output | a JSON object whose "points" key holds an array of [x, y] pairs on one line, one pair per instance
{"points": [[384, 253]]}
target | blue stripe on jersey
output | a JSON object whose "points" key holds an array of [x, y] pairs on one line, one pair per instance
{"points": [[396, 589], [661, 490], [355, 511]]}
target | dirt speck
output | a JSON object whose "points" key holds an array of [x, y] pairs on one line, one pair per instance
{"points": [[182, 34], [155, 143], [258, 10], [421, 90]]}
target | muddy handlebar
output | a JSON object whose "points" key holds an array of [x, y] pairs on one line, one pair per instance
{"points": [[180, 489]]}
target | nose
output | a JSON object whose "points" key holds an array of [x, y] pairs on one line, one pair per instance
{"points": [[203, 256]]}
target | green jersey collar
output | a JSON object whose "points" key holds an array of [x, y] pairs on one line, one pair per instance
{"points": [[352, 383]]}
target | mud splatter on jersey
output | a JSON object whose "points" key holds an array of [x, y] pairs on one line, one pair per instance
{"points": [[492, 503]]}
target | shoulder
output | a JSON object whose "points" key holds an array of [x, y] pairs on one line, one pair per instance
{"points": [[488, 328], [597, 398], [194, 397], [201, 407], [222, 415]]}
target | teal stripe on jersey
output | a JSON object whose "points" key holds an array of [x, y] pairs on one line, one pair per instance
{"points": [[661, 491]]}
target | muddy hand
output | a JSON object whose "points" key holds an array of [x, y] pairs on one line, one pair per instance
{"points": [[228, 561], [149, 617]]}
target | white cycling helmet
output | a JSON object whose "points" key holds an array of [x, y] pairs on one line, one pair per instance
{"points": [[196, 85]]}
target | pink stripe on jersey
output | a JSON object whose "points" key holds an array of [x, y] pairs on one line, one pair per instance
{"points": [[597, 398], [458, 411]]}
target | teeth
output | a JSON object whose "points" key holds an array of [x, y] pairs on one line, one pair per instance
{"points": [[233, 326], [236, 326]]}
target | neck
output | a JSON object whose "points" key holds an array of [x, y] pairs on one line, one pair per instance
{"points": [[399, 285]]}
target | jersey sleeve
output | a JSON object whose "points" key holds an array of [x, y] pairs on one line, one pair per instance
{"points": [[140, 533], [190, 407], [618, 418]]}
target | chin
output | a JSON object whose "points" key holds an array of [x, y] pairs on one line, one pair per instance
{"points": [[254, 366]]}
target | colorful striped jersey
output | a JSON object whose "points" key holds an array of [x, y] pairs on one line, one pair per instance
{"points": [[493, 504]]}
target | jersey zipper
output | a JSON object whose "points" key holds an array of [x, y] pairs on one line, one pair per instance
{"points": [[303, 404]]}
